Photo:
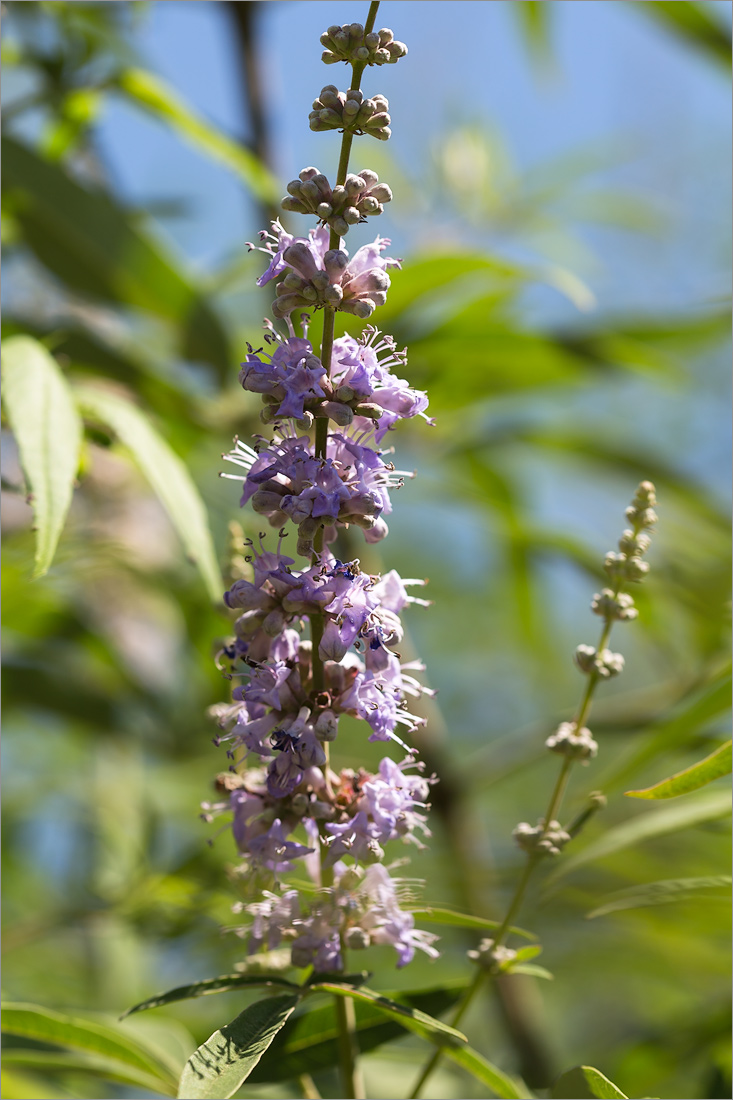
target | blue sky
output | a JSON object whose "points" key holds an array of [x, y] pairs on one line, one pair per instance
{"points": [[617, 82]]}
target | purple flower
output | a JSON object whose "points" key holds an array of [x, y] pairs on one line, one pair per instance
{"points": [[270, 849], [274, 918], [392, 799], [386, 923], [356, 838]]}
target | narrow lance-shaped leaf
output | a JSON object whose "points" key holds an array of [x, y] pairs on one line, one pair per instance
{"points": [[108, 1069], [226, 1059], [92, 245], [647, 826], [411, 1018], [500, 1083], [436, 915], [166, 473], [157, 98], [47, 428], [33, 1022], [309, 1042], [667, 891], [224, 984], [585, 1083], [692, 778]]}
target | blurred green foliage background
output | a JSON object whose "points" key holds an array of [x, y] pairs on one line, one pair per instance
{"points": [[547, 416]]}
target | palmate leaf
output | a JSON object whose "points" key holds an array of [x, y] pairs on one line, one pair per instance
{"points": [[148, 91], [226, 1059], [166, 473], [91, 244], [89, 1036], [48, 431], [698, 775], [310, 1042], [585, 1083], [665, 892]]}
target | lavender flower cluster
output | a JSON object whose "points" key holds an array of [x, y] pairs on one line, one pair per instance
{"points": [[316, 642]]}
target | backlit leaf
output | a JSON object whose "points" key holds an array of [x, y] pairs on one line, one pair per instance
{"points": [[153, 95], [585, 1083], [96, 1039], [500, 1083], [698, 775], [47, 428], [166, 473]]}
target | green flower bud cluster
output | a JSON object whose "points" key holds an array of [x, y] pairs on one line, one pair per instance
{"points": [[349, 43], [350, 111], [538, 840], [604, 663], [341, 206], [577, 744], [494, 959]]}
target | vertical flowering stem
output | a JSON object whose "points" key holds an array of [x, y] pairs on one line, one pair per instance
{"points": [[572, 739], [329, 320]]}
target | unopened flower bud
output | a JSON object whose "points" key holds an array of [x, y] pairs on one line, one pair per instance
{"points": [[610, 606], [494, 959], [356, 938], [585, 656], [576, 744]]}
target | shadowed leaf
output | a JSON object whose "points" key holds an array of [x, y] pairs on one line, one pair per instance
{"points": [[224, 984], [90, 243], [226, 1059], [411, 1018], [310, 1042]]}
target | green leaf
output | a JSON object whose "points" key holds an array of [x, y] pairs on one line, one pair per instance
{"points": [[501, 1084], [309, 1042], [648, 826], [92, 245], [224, 984], [97, 1039], [664, 892], [698, 775], [532, 971], [166, 473], [436, 915], [157, 98], [411, 1018], [694, 23], [701, 707], [226, 1059], [46, 1061], [47, 428], [585, 1083]]}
